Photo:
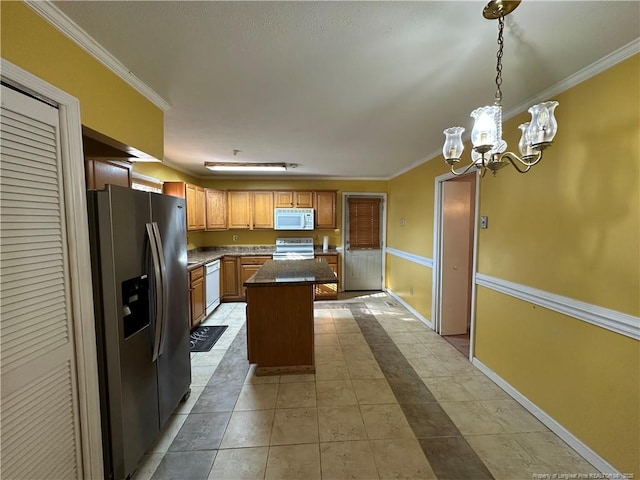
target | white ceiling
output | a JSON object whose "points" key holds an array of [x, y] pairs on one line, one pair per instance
{"points": [[344, 89]]}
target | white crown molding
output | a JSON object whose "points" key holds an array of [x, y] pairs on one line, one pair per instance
{"points": [[417, 314], [62, 22], [612, 320], [412, 257], [574, 442], [599, 66], [580, 76]]}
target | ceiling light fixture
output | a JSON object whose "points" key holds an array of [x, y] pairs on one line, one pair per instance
{"points": [[245, 167], [488, 146]]}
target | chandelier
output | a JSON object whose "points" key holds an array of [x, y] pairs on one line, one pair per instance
{"points": [[489, 149]]}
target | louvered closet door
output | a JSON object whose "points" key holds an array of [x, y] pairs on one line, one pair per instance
{"points": [[37, 364]]}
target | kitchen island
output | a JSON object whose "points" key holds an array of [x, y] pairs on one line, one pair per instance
{"points": [[280, 315]]}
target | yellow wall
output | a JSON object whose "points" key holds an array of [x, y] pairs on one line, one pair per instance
{"points": [[413, 285], [107, 104], [583, 376], [570, 227], [263, 237]]}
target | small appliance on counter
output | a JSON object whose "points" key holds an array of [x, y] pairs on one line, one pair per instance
{"points": [[300, 248], [293, 219]]}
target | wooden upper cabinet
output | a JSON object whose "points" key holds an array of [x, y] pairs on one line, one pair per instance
{"points": [[107, 172], [191, 207], [325, 209], [239, 208], [216, 209], [262, 208], [200, 209], [194, 200], [293, 199], [303, 199]]}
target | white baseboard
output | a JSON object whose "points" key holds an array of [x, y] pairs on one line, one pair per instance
{"points": [[574, 442], [410, 308]]}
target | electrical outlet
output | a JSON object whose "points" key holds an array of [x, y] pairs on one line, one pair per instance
{"points": [[235, 238], [484, 222], [402, 222]]}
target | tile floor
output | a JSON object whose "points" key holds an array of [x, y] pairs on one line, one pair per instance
{"points": [[390, 399]]}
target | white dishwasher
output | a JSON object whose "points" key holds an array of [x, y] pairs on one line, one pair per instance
{"points": [[212, 285]]}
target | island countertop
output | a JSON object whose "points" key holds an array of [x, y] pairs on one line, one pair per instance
{"points": [[293, 272]]}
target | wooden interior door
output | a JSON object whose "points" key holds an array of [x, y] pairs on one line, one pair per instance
{"points": [[458, 207]]}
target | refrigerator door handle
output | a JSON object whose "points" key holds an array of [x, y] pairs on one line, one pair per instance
{"points": [[165, 296], [158, 290]]}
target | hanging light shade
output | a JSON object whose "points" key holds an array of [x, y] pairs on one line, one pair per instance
{"points": [[489, 149], [453, 145]]}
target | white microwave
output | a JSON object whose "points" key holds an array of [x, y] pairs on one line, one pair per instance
{"points": [[293, 219]]}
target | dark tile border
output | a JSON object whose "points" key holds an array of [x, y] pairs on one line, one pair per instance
{"points": [[195, 446], [449, 454]]}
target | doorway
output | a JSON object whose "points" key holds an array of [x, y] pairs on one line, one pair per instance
{"points": [[363, 227], [456, 201]]}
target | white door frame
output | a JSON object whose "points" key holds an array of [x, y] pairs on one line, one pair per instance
{"points": [[79, 259], [383, 232], [437, 257]]}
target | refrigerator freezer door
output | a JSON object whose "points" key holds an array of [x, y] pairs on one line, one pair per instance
{"points": [[119, 254], [174, 361]]}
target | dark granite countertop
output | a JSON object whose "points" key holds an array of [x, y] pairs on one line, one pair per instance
{"points": [[292, 272], [200, 256]]}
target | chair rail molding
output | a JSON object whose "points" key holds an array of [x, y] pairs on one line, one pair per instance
{"points": [[412, 257], [612, 320]]}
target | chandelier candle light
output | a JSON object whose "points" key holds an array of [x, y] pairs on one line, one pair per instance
{"points": [[486, 135]]}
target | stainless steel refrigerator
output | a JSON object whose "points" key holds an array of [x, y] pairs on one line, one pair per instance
{"points": [[139, 264]]}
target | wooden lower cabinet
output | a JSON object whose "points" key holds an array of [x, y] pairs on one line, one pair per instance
{"points": [[280, 328], [248, 267], [196, 296], [328, 291], [230, 280]]}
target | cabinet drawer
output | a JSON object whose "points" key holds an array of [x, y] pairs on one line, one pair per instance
{"points": [[196, 273], [253, 260]]}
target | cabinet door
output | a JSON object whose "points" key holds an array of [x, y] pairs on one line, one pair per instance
{"points": [[216, 209], [191, 200], [230, 290], [200, 209], [262, 209], [197, 302], [175, 189], [249, 266], [239, 209], [283, 199], [328, 291], [100, 173], [325, 206], [303, 199], [196, 295]]}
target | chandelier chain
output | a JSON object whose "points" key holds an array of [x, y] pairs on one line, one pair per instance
{"points": [[498, 99]]}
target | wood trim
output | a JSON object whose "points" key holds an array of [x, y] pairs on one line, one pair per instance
{"points": [[79, 262]]}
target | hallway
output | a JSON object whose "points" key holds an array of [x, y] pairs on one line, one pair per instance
{"points": [[389, 399]]}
